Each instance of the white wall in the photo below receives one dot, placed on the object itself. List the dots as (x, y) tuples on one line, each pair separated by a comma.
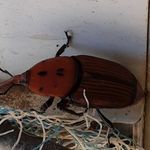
[(112, 29)]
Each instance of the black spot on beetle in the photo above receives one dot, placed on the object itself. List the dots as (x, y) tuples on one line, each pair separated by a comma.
[(42, 73), (60, 72), (41, 89), (60, 69)]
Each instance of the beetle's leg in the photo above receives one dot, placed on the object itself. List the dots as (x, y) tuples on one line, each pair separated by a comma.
[(47, 104), (63, 104), (62, 49), (106, 120), (5, 71), (109, 124)]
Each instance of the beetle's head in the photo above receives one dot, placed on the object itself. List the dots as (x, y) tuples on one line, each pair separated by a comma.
[(20, 79)]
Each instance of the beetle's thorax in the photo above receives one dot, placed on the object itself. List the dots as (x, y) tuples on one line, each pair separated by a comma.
[(53, 77)]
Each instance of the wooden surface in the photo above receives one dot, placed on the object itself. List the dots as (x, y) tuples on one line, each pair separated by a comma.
[(147, 123), (147, 107), (147, 102)]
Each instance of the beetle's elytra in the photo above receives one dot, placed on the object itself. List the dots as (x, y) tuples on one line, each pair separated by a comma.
[(107, 84)]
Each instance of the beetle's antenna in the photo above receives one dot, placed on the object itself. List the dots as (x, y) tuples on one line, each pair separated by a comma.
[(62, 49), (47, 104), (69, 37), (5, 71)]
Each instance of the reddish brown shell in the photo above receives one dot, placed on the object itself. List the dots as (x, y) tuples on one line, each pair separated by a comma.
[(53, 77), (107, 84)]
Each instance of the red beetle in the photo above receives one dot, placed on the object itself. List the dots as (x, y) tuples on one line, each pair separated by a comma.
[(107, 84)]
